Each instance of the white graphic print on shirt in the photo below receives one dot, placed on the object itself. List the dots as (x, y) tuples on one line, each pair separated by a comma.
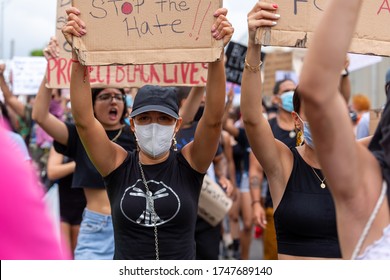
[(136, 206)]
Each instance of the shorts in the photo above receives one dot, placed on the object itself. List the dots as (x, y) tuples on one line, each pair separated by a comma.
[(243, 182), (96, 237)]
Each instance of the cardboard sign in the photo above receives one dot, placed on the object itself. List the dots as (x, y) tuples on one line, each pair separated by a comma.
[(276, 61), (27, 73), (234, 66), (299, 19), (194, 74), (213, 204), (188, 74), (147, 32)]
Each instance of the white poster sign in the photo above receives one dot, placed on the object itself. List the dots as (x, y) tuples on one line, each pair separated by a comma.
[(27, 74)]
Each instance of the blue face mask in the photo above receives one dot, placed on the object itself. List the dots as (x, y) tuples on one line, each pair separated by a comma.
[(287, 101), (129, 100), (307, 135)]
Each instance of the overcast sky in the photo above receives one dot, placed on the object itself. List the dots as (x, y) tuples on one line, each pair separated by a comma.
[(31, 23)]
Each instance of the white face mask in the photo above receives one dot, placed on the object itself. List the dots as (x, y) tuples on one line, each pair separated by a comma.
[(154, 139)]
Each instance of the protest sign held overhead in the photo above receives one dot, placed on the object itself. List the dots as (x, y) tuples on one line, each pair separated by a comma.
[(299, 19), (27, 73), (58, 75), (147, 32), (234, 65)]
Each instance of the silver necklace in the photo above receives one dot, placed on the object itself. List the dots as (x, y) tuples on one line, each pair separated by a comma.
[(323, 186), (151, 205)]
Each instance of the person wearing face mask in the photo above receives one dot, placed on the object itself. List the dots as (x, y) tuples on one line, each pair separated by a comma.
[(96, 236), (153, 191), (304, 213), (358, 177)]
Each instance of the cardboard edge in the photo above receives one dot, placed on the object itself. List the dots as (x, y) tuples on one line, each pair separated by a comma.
[(300, 39), (149, 57)]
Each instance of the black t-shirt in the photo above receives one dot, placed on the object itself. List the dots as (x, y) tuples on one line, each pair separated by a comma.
[(175, 189), (85, 174), (305, 220)]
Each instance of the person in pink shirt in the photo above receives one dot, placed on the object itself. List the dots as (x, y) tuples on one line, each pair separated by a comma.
[(27, 231)]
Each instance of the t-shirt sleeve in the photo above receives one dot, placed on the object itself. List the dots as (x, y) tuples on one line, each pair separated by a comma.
[(68, 150)]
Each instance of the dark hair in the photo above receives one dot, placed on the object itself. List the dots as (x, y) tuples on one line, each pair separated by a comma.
[(296, 101), (278, 83), (96, 91), (182, 93)]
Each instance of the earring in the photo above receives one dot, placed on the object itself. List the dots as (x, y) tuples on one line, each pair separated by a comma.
[(299, 137), (136, 142), (174, 143)]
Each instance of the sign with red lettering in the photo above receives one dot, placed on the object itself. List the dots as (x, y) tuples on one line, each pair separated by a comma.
[(194, 74), (147, 32), (58, 72), (299, 19)]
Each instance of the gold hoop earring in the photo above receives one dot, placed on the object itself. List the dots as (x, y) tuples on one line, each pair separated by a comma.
[(299, 138)]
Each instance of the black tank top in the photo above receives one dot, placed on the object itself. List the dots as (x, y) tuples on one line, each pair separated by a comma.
[(305, 219)]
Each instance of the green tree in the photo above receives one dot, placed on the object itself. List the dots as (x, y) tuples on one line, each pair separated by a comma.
[(37, 52)]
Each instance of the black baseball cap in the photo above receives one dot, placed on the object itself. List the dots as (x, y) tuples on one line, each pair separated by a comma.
[(156, 98)]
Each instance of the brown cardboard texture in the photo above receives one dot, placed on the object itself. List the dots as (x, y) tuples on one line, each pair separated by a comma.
[(58, 72), (213, 203), (299, 19), (273, 62), (147, 32)]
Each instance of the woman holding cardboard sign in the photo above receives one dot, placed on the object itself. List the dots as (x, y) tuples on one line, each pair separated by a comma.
[(357, 178), (96, 238), (304, 213), (153, 192)]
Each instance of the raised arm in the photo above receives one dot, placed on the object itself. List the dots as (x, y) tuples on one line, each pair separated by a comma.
[(104, 154), (353, 174), (11, 100), (201, 151), (270, 152), (324, 105), (40, 113), (190, 107), (227, 121)]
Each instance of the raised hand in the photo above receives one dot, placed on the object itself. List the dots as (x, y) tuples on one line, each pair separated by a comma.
[(262, 14), (52, 50), (222, 28), (74, 27)]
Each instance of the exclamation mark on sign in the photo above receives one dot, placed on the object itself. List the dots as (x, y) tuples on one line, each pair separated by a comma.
[(195, 18), (201, 24)]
